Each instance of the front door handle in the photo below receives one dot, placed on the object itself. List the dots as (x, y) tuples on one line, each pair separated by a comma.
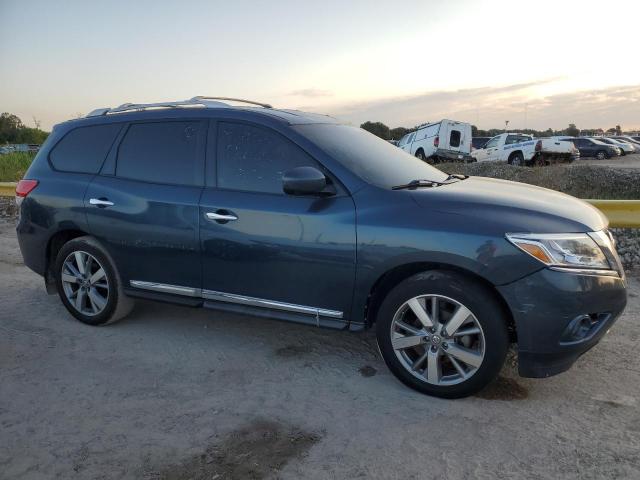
[(100, 202), (221, 216)]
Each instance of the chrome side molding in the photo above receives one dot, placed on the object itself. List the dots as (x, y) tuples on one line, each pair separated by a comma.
[(165, 288), (234, 298), (260, 302)]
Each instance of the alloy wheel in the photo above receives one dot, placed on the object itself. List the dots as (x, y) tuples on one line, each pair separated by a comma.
[(85, 283), (437, 339)]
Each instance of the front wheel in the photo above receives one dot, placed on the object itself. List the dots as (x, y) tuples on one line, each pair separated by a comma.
[(442, 334)]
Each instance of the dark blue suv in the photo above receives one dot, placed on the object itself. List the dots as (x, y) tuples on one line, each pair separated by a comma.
[(290, 215)]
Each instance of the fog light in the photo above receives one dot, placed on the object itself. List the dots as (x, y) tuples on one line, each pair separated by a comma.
[(583, 327)]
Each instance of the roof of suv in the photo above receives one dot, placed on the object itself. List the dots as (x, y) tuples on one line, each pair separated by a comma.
[(177, 109)]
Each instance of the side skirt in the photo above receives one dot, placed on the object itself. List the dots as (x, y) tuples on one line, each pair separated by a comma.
[(239, 304)]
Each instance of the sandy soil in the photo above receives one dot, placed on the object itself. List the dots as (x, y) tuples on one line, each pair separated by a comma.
[(179, 393)]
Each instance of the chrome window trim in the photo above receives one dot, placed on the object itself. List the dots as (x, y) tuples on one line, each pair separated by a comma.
[(235, 298)]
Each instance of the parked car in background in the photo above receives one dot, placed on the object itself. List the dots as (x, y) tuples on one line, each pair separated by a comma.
[(630, 140), (590, 147), (7, 149), (623, 146), (444, 141), (636, 138), (479, 142), (520, 149), (293, 216)]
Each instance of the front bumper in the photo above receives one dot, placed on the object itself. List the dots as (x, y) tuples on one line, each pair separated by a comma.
[(559, 316)]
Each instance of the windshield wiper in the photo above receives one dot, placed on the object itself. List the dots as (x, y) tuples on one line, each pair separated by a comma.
[(413, 184), (458, 176)]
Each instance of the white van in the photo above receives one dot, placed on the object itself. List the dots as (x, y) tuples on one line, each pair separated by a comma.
[(444, 141)]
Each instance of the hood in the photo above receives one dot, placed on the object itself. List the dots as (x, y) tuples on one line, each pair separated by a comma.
[(512, 207)]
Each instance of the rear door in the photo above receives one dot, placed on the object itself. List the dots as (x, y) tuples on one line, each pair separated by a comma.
[(282, 252), (144, 205)]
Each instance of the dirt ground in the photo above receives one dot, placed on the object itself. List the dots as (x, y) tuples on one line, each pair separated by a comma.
[(179, 393)]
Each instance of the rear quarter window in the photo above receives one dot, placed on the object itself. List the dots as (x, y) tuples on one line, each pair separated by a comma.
[(83, 149)]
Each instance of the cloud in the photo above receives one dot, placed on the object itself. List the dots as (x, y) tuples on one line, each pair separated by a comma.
[(489, 107), (311, 93)]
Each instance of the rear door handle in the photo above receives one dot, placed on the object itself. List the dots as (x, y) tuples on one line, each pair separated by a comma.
[(222, 216), (100, 202)]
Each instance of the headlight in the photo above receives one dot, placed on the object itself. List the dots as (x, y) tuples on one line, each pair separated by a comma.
[(571, 250)]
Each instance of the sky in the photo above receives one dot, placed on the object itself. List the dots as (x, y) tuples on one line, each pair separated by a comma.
[(537, 64)]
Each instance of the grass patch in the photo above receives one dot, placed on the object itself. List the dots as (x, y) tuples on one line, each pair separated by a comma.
[(582, 181), (14, 165)]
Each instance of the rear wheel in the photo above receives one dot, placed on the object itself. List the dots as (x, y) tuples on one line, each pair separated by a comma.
[(88, 284), (420, 154), (442, 334), (601, 155), (516, 159)]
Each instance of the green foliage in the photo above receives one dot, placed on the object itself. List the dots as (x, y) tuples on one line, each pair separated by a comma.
[(14, 165), (377, 128), (12, 130), (572, 131), (399, 132)]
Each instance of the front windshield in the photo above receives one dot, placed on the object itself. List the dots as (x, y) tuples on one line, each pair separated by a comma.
[(369, 157)]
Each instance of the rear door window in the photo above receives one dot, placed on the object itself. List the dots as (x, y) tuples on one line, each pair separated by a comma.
[(454, 138), (84, 149), (254, 159), (162, 152)]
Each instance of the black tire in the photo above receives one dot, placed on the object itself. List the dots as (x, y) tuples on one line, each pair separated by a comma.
[(482, 304), (420, 155), (117, 306), (601, 154), (517, 159)]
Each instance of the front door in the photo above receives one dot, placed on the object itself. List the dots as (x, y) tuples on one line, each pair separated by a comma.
[(263, 248), (490, 151), (143, 207)]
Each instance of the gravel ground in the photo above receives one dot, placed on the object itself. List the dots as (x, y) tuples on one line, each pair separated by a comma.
[(179, 393), (630, 161)]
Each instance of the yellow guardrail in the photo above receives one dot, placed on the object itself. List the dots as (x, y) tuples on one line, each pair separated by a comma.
[(621, 213), (7, 189)]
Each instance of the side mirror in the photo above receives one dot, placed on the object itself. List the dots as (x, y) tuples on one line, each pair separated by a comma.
[(303, 181)]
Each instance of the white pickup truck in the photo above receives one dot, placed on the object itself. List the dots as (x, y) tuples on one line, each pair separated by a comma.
[(521, 149)]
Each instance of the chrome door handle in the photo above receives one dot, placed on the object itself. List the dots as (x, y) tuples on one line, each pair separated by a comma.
[(100, 202), (221, 217)]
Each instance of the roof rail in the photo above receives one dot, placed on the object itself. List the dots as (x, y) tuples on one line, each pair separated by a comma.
[(199, 101), (251, 102)]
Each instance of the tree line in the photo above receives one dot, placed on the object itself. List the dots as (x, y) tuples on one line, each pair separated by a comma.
[(12, 130), (386, 133)]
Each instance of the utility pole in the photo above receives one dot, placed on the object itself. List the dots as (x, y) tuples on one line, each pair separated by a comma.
[(506, 126)]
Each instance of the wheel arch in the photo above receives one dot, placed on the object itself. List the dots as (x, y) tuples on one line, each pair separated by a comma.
[(388, 280), (514, 153), (55, 243)]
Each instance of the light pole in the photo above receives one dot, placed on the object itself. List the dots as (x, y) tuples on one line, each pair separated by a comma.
[(506, 126)]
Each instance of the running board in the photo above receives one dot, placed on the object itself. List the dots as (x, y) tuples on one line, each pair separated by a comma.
[(236, 299)]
